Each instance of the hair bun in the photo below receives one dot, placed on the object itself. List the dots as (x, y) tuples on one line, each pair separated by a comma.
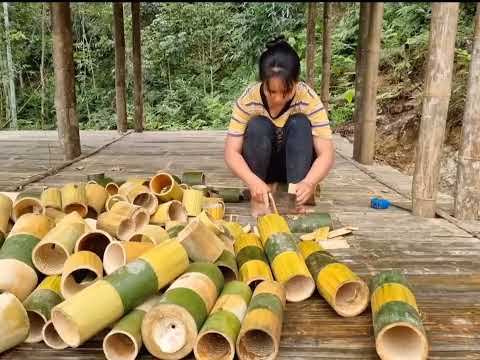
[(278, 40)]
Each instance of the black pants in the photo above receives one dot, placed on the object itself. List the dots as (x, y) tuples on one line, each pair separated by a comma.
[(279, 154)]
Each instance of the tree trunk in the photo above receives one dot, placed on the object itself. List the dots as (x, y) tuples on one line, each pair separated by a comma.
[(360, 75), (11, 73), (211, 66), (42, 68), (467, 195), (137, 67), (436, 96), (311, 42), (65, 99), (326, 53), (368, 105), (120, 90)]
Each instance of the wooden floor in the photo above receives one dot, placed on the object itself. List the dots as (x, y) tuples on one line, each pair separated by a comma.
[(441, 260)]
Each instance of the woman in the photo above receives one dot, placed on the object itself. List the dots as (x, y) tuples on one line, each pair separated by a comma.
[(279, 131)]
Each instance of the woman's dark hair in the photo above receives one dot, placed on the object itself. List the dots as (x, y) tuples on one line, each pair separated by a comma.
[(281, 60)]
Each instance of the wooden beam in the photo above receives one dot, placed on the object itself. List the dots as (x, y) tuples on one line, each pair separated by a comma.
[(120, 90), (436, 96), (311, 43), (65, 98), (137, 67), (326, 53), (467, 194)]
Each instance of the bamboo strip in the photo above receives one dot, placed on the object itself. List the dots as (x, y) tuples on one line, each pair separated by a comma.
[(200, 242), (14, 324), (116, 225), (52, 198), (192, 201), (118, 254), (153, 234), (96, 198), (135, 212), (165, 187), (26, 203), (74, 198), (169, 211), (113, 199), (81, 269), (139, 195), (95, 241), (192, 178)]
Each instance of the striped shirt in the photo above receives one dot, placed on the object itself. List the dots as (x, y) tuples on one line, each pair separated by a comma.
[(305, 101)]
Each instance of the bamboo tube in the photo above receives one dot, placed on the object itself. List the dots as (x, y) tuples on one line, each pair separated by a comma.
[(14, 324), (174, 229), (346, 293), (39, 305), (252, 262), (165, 187), (192, 178), (76, 320), (6, 205), (51, 338), (111, 188), (96, 198), (259, 336), (200, 242), (95, 241), (287, 263), (113, 199), (169, 211), (309, 223), (207, 220), (230, 195), (234, 228), (218, 335), (170, 328), (26, 203), (118, 254), (116, 225), (175, 177), (184, 186), (228, 266), (74, 198), (192, 201), (52, 198), (215, 210), (36, 225), (81, 269), (54, 214), (139, 195), (152, 234), (202, 188), (137, 213)]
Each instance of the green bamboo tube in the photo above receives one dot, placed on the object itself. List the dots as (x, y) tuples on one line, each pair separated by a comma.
[(218, 335), (259, 336), (120, 253), (192, 178), (200, 242), (26, 203), (81, 269), (6, 205), (113, 199), (193, 202), (169, 211), (14, 324), (52, 198), (397, 323), (230, 195), (96, 198), (74, 198), (39, 305), (165, 187), (76, 320), (116, 225), (228, 265), (170, 328), (138, 214), (95, 241), (346, 293), (153, 234), (51, 338), (139, 195), (174, 230), (309, 223)]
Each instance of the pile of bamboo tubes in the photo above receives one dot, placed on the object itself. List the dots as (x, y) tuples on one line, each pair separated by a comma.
[(164, 269)]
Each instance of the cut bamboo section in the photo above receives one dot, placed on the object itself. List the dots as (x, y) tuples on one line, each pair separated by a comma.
[(346, 293), (52, 198), (229, 195), (14, 324), (252, 262), (116, 225), (271, 224), (111, 188), (309, 223), (51, 338), (216, 211), (152, 234), (96, 198), (74, 198), (139, 195), (208, 220), (26, 203), (228, 265), (397, 323), (170, 328), (218, 335), (193, 202), (118, 254), (95, 241), (234, 228), (170, 211), (6, 205), (259, 336), (76, 320), (192, 178), (200, 242), (81, 269), (165, 187), (113, 199), (135, 212), (36, 225), (39, 305)]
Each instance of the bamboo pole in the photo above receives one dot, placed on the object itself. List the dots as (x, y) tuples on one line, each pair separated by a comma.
[(311, 43), (120, 69), (436, 97), (14, 324), (326, 54), (81, 270), (137, 66)]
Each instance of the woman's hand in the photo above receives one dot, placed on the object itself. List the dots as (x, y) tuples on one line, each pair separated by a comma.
[(259, 191), (304, 191)]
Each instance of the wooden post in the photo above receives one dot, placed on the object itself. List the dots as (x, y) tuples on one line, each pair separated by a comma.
[(137, 67), (326, 54), (311, 43), (120, 91), (360, 74), (436, 96), (65, 99), (467, 195)]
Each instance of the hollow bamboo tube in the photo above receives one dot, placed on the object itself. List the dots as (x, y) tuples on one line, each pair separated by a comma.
[(76, 320), (397, 323), (111, 188), (116, 225), (118, 254), (309, 223), (51, 338), (6, 205), (96, 198), (74, 198), (170, 328), (139, 195), (95, 241), (135, 212), (228, 265), (81, 269), (218, 336), (169, 211), (192, 201), (230, 195), (39, 305), (192, 178), (259, 336), (207, 219), (215, 210), (346, 293), (200, 242), (14, 324), (52, 198), (26, 203), (165, 187), (152, 234), (113, 199)]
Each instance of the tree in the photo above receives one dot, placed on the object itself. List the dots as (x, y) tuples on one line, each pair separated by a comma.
[(120, 90), (326, 53), (11, 73), (311, 43), (137, 67)]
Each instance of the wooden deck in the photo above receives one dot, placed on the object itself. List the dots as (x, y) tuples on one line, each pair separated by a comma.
[(441, 260)]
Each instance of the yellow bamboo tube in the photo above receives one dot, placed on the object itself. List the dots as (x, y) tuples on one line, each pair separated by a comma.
[(184, 186), (139, 181), (32, 224), (6, 205), (81, 269), (113, 199), (207, 219), (14, 324), (139, 195), (169, 211), (52, 198), (234, 228), (118, 254), (135, 212), (74, 198), (26, 203), (54, 214), (51, 338), (200, 242), (192, 201), (165, 187), (96, 198), (153, 234), (95, 241), (111, 188), (116, 225), (216, 211)]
